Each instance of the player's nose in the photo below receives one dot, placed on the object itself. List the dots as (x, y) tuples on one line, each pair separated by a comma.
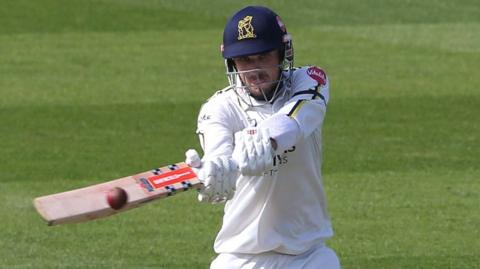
[(255, 77)]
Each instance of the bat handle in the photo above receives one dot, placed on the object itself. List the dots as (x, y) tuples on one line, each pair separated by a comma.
[(193, 159)]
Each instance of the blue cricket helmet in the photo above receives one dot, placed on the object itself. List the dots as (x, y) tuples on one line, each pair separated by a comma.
[(255, 30)]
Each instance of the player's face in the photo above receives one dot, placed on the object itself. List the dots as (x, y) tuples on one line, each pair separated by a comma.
[(259, 73)]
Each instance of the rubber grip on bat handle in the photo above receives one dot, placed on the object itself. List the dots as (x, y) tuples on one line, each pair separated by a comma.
[(193, 159)]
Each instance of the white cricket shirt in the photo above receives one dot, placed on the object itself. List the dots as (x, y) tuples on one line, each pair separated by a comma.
[(285, 209)]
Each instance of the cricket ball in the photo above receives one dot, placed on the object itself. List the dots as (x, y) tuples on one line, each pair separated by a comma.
[(117, 198)]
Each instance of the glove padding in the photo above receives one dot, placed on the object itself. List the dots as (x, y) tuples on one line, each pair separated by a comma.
[(253, 151), (218, 175)]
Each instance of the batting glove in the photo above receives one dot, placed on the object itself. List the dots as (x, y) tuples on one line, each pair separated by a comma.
[(218, 175), (253, 151)]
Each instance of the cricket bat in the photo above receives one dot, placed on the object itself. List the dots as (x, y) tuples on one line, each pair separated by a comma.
[(90, 203)]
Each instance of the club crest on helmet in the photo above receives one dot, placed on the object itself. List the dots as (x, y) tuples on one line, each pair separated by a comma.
[(245, 28)]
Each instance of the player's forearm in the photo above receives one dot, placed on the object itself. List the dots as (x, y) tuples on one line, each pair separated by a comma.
[(216, 142), (287, 128), (284, 131), (309, 115)]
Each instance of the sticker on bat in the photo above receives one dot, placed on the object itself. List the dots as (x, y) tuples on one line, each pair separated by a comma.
[(145, 184), (172, 177)]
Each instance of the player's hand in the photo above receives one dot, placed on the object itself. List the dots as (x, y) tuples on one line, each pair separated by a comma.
[(218, 175), (253, 151)]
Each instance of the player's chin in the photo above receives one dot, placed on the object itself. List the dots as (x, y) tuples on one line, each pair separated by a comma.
[(259, 93)]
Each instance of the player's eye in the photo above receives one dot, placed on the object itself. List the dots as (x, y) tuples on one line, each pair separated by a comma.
[(243, 59)]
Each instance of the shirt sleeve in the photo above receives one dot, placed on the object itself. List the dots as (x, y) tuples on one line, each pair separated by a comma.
[(306, 108), (216, 137)]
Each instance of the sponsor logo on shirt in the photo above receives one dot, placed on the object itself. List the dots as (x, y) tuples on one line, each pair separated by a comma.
[(279, 160), (317, 74), (203, 118)]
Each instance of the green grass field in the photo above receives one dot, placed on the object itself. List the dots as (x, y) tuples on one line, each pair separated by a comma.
[(92, 90)]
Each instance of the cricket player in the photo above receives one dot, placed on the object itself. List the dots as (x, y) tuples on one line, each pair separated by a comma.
[(262, 143)]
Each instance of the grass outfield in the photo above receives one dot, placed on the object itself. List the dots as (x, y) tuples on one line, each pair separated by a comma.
[(92, 90)]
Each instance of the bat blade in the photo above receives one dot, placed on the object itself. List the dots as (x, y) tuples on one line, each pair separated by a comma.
[(90, 202)]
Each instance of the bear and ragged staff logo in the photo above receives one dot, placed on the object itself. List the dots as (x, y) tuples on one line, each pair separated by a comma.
[(245, 28)]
